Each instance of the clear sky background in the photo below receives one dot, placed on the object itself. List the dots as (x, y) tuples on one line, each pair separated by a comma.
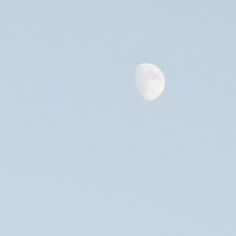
[(81, 153)]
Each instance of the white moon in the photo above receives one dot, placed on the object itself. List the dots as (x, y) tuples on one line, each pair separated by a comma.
[(150, 81)]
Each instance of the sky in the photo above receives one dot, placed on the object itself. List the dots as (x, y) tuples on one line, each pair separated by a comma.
[(82, 153)]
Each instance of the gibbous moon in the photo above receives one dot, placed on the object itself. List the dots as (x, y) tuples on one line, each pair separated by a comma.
[(150, 81)]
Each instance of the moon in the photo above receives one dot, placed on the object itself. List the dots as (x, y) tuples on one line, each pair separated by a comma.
[(150, 81)]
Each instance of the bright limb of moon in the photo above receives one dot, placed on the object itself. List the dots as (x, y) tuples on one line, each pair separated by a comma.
[(150, 81)]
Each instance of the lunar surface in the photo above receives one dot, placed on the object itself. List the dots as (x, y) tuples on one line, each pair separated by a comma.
[(150, 81)]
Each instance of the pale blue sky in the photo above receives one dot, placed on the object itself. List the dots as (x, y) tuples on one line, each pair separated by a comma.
[(81, 153)]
